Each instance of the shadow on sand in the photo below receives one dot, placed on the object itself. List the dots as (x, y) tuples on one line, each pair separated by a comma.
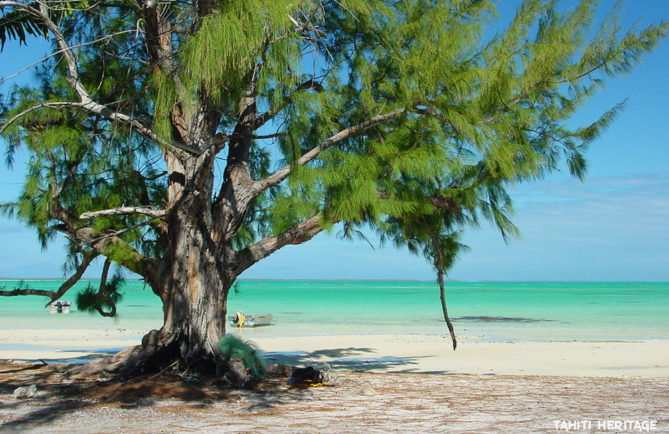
[(60, 395), (350, 359)]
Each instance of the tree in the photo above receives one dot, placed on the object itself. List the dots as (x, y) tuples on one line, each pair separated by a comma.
[(186, 141)]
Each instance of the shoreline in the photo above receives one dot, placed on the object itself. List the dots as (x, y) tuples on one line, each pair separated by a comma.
[(378, 383), (379, 353)]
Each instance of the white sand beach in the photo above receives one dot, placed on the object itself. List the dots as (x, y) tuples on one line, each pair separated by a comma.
[(381, 383), (382, 353)]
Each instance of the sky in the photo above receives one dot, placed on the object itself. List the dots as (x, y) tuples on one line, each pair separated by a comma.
[(612, 227)]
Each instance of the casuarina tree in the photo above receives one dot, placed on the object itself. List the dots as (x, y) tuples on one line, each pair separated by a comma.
[(187, 140)]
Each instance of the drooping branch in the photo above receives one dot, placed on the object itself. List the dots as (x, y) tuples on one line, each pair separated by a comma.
[(298, 234), (87, 259), (283, 173), (102, 242), (440, 278), (102, 296), (64, 287)]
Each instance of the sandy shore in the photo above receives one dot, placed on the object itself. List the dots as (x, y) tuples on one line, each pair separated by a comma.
[(382, 353), (382, 383), (355, 402)]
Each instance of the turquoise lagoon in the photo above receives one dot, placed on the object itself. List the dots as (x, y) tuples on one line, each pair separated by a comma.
[(483, 311)]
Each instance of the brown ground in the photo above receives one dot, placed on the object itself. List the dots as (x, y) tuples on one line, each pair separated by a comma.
[(369, 402)]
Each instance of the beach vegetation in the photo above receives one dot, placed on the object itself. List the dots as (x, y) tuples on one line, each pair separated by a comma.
[(234, 349), (187, 141)]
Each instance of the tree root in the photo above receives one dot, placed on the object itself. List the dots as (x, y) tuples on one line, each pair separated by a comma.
[(27, 368), (149, 357), (155, 356)]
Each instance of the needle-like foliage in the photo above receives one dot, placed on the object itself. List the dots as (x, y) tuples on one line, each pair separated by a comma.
[(186, 141)]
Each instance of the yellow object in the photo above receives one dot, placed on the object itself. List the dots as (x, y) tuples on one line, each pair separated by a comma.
[(309, 383), (240, 319)]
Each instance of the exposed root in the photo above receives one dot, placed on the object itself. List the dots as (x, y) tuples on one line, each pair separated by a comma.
[(27, 368), (156, 356), (151, 356), (109, 365)]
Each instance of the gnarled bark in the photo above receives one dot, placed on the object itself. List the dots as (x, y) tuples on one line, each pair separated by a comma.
[(193, 285)]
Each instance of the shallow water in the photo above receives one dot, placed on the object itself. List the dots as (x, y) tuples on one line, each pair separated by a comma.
[(485, 311)]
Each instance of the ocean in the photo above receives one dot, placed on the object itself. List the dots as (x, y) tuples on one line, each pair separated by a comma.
[(481, 311)]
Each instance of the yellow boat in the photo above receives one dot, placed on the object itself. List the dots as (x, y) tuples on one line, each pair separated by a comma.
[(242, 320)]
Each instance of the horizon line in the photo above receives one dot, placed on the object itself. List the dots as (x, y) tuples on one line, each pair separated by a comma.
[(88, 279)]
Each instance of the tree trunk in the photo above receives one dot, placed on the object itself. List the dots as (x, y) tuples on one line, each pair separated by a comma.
[(194, 311), (193, 284), (444, 310), (194, 288)]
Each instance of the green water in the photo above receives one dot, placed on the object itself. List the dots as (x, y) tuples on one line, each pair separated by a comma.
[(509, 311)]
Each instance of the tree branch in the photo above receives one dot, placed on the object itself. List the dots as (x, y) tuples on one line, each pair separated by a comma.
[(55, 53), (431, 111), (270, 114), (55, 295), (57, 190), (283, 173), (27, 291), (87, 103), (101, 242), (437, 201), (37, 107), (125, 210), (102, 296), (236, 191), (506, 109), (298, 234)]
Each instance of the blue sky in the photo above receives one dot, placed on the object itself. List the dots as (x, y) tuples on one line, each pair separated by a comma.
[(614, 226)]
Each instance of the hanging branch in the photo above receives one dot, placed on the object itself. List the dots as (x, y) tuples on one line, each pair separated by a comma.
[(440, 278), (102, 296)]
